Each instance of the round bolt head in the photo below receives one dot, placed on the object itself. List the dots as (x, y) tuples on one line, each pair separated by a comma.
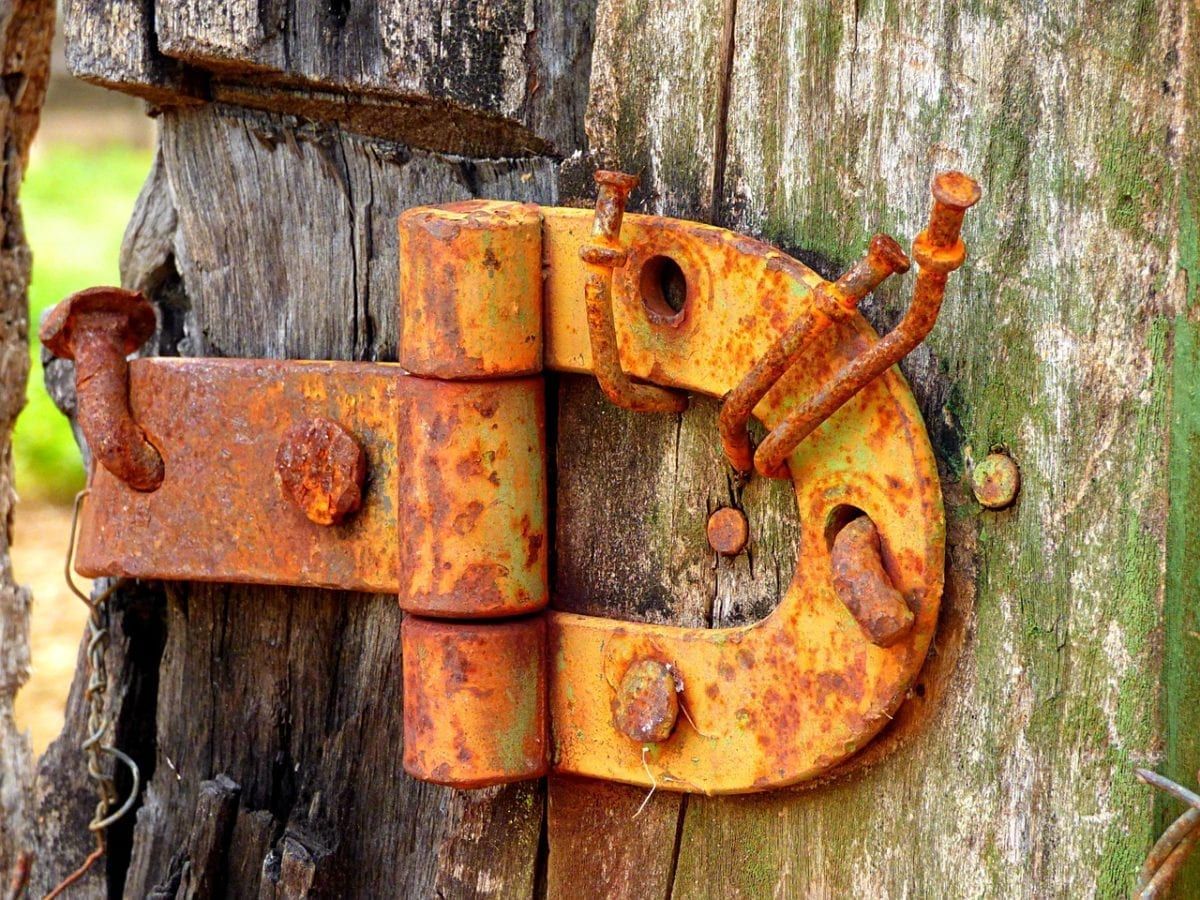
[(728, 531), (322, 468), (647, 703), (996, 480), (956, 190), (57, 332)]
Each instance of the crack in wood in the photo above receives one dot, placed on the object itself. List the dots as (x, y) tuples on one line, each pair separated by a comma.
[(721, 130)]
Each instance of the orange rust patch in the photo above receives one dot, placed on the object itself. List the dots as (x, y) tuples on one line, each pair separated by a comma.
[(474, 701)]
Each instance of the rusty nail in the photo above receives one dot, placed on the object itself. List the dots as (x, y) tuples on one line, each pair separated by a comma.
[(885, 257), (646, 705), (322, 468), (1163, 783), (612, 193), (98, 328), (831, 302), (863, 584), (728, 531), (938, 251), (996, 480), (953, 194), (602, 256)]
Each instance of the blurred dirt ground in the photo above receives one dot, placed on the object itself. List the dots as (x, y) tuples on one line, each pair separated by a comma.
[(40, 532), (90, 156)]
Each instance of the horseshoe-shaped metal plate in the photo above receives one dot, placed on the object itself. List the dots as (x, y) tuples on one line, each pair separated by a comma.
[(784, 699)]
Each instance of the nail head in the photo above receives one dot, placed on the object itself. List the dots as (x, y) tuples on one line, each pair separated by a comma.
[(322, 468), (996, 479), (57, 331), (647, 703), (728, 531), (956, 190)]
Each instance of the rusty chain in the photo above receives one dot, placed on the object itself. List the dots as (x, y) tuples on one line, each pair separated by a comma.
[(93, 746)]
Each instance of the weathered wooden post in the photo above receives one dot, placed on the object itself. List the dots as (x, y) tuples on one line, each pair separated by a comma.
[(267, 720)]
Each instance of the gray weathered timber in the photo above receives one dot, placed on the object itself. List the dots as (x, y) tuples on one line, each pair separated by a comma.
[(499, 78), (1057, 342), (25, 30), (653, 61), (293, 696), (296, 694)]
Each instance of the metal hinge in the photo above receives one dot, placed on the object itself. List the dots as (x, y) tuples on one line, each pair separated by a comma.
[(428, 479)]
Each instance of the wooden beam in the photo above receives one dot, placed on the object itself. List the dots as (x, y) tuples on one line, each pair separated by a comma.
[(1056, 343), (501, 79)]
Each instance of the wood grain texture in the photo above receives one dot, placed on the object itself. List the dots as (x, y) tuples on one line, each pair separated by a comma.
[(298, 191), (26, 27), (610, 839), (635, 547), (1057, 342), (500, 78), (655, 61), (295, 695), (113, 44)]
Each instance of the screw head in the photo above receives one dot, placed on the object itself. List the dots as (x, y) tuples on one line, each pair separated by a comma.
[(647, 703), (57, 332), (322, 468), (996, 481), (728, 531)]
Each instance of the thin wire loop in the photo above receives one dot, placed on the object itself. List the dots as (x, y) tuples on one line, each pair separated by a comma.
[(135, 773), (93, 745)]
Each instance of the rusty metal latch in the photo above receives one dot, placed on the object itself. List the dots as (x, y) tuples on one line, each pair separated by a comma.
[(428, 479)]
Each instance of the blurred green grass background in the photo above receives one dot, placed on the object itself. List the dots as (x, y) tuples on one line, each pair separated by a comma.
[(76, 201)]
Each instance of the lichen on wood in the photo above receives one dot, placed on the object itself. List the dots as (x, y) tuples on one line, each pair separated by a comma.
[(1056, 342)]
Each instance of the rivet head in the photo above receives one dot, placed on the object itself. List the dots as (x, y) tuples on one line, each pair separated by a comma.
[(322, 468), (728, 531), (647, 703), (996, 481)]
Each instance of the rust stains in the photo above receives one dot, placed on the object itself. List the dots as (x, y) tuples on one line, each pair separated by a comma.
[(996, 479), (474, 701), (602, 255), (830, 303), (938, 250), (472, 495), (453, 514), (470, 290), (646, 704), (728, 531)]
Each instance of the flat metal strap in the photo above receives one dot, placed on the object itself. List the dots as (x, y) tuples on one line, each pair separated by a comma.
[(220, 514)]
